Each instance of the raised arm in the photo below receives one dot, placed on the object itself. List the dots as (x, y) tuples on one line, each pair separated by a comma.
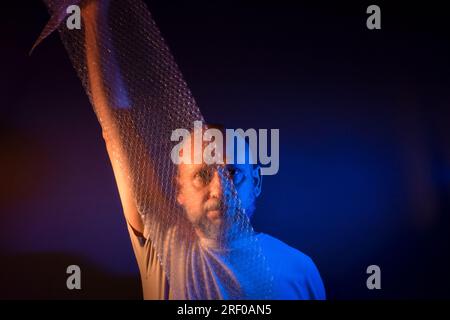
[(104, 111)]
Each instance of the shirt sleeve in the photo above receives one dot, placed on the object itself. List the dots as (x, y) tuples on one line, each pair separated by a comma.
[(153, 278), (312, 282)]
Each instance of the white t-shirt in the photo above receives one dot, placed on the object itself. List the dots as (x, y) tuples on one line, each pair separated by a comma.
[(295, 274)]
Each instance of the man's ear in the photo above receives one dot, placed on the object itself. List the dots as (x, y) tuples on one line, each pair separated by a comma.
[(257, 180), (180, 196)]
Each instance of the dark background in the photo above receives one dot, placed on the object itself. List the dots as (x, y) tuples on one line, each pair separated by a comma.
[(364, 119)]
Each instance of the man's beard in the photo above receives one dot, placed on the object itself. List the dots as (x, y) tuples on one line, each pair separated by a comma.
[(226, 224), (209, 229), (212, 227)]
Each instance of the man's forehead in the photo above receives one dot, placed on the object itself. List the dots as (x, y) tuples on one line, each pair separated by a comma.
[(237, 151), (191, 169), (187, 168)]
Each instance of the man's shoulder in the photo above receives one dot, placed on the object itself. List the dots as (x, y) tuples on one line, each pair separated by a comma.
[(284, 253), (295, 272)]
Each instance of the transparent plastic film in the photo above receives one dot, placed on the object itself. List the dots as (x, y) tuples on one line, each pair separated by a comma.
[(140, 97)]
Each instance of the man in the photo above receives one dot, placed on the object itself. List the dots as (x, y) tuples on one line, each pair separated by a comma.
[(202, 192), (202, 246), (200, 266)]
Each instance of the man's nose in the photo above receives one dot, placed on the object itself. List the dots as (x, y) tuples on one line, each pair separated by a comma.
[(216, 187)]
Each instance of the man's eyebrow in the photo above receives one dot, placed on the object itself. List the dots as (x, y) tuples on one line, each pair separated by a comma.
[(200, 168)]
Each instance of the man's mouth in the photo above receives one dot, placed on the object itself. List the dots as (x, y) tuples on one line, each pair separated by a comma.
[(214, 214)]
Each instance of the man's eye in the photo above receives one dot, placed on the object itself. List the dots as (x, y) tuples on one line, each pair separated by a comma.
[(238, 177), (235, 174), (203, 176)]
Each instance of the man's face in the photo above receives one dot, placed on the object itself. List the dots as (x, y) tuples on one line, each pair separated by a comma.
[(203, 191)]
